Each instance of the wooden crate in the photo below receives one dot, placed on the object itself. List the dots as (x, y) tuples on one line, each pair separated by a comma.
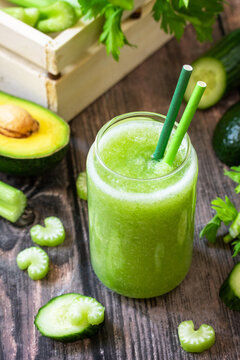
[(68, 71)]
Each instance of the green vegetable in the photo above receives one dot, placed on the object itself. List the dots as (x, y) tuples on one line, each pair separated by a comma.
[(52, 234), (219, 68), (210, 230), (70, 317), (35, 260), (230, 289), (195, 341), (124, 4), (29, 16), (226, 137), (43, 3), (38, 152), (56, 17), (235, 176), (174, 16), (82, 185), (12, 202), (225, 213)]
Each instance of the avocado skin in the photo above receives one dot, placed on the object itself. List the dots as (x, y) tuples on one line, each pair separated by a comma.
[(226, 137), (29, 167)]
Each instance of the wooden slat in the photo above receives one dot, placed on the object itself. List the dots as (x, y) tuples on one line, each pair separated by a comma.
[(22, 39), (21, 78)]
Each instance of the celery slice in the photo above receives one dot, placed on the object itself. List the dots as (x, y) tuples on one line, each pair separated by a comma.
[(82, 185), (195, 340), (35, 260), (52, 234)]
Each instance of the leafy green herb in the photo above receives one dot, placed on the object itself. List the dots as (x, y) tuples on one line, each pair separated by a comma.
[(236, 247), (112, 35), (172, 14), (226, 213), (235, 176), (210, 230)]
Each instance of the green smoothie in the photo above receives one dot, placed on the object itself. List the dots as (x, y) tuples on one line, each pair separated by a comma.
[(141, 211)]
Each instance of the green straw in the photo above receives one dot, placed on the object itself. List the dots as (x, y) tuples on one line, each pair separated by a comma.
[(172, 112), (185, 122)]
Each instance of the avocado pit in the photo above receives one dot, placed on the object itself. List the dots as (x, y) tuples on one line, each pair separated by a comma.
[(16, 122)]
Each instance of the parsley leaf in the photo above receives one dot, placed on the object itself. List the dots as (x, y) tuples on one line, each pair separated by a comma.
[(210, 230), (226, 211), (170, 21), (235, 176), (92, 8), (236, 247), (174, 15), (112, 35)]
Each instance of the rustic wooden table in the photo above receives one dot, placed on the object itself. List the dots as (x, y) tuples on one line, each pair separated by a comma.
[(134, 329)]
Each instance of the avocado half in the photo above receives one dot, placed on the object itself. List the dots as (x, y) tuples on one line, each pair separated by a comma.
[(38, 152)]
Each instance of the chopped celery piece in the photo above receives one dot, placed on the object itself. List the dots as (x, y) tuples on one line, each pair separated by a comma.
[(70, 317), (56, 17), (28, 16), (12, 202), (234, 229), (52, 234), (35, 260), (195, 340), (82, 185)]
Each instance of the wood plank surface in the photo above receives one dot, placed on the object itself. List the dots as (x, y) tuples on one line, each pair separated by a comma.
[(134, 329)]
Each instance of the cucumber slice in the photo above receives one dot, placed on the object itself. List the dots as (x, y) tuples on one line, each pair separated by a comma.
[(212, 72), (52, 234), (35, 260), (230, 289), (82, 185), (70, 317), (195, 340)]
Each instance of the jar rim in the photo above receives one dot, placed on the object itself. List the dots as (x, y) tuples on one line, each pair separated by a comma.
[(118, 119)]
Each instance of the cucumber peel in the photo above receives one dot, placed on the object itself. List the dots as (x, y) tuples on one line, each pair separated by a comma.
[(81, 185), (52, 234), (35, 260), (195, 340), (230, 289), (70, 317)]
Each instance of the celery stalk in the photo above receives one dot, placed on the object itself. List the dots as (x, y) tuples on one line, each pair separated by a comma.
[(234, 229), (32, 3), (12, 202)]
